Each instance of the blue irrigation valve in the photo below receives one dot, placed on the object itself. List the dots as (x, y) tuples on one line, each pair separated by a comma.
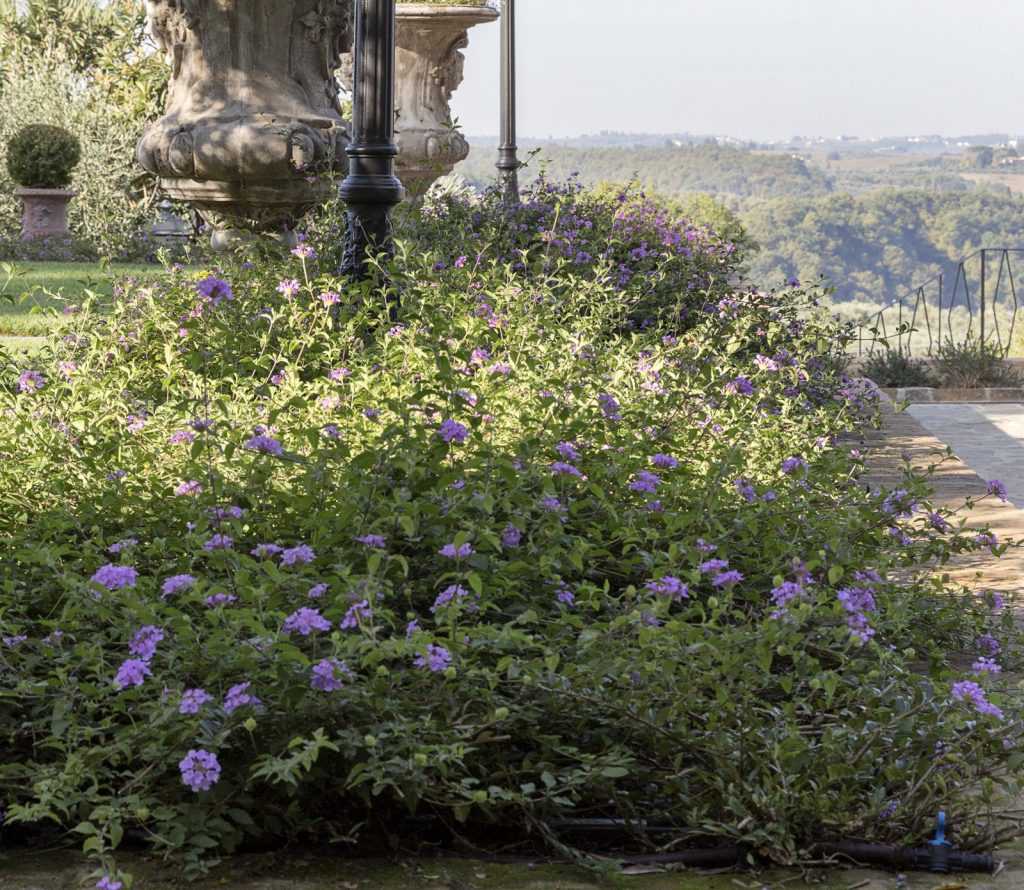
[(940, 847)]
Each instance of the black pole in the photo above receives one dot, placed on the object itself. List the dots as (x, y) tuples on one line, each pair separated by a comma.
[(371, 188), (508, 160)]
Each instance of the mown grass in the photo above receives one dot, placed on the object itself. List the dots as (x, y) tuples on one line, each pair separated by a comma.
[(27, 289)]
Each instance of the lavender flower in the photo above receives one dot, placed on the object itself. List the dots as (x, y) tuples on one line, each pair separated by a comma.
[(239, 696), (132, 672), (337, 374), (30, 381), (436, 658), (265, 445), (567, 451), (564, 595), (218, 542), (316, 591), (329, 675), (375, 541), (669, 586), (453, 552), (645, 482), (989, 645), (356, 612), (262, 551), (221, 599), (118, 546), (997, 488), (303, 553), (453, 431), (727, 578), (791, 463), (664, 461), (190, 487), (192, 700), (609, 406), (740, 386), (213, 290), (304, 621), (511, 536), (288, 288), (115, 577), (108, 883), (144, 642), (561, 468), (182, 437), (200, 770), (986, 666), (448, 595), (968, 690)]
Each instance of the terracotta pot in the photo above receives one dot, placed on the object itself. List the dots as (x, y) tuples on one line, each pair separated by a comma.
[(46, 212)]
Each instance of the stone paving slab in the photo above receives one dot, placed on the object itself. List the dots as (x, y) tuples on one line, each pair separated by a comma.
[(985, 447)]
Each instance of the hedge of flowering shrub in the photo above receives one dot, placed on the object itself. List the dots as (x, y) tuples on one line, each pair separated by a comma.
[(275, 566)]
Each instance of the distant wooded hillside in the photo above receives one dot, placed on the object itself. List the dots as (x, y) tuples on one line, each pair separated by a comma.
[(873, 226)]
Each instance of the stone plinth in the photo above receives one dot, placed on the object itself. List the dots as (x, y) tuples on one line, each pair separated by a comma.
[(429, 68), (46, 212), (252, 136)]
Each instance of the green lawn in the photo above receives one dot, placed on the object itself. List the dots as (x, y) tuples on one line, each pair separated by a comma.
[(34, 286)]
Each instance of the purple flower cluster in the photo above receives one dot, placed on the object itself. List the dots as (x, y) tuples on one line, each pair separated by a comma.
[(330, 675), (453, 552), (997, 488), (30, 381), (239, 696), (200, 769), (359, 611), (145, 641), (114, 577), (453, 431), (561, 468), (265, 445), (670, 587), (133, 672), (301, 553), (436, 658), (857, 603), (376, 541), (968, 690), (645, 482), (192, 700), (304, 621), (213, 290)]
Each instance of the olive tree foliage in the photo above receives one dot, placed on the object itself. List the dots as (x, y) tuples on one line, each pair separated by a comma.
[(87, 68)]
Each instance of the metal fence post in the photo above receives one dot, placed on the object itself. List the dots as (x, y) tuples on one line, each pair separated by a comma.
[(982, 321)]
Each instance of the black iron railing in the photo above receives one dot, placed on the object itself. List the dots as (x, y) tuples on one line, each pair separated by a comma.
[(978, 302)]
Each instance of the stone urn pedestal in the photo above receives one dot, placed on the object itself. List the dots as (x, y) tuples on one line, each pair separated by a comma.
[(252, 136), (46, 212), (429, 39)]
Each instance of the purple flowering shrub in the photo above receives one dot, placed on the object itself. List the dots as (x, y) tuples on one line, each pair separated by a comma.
[(276, 566), (641, 257)]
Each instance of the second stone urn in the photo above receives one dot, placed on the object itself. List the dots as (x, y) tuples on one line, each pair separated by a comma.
[(253, 136), (428, 60)]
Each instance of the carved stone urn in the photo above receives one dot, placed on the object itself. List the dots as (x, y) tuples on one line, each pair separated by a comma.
[(252, 136), (428, 59)]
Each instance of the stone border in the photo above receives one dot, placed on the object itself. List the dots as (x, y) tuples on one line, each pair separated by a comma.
[(916, 395)]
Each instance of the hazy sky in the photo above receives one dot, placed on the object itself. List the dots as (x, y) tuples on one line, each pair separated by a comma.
[(762, 69)]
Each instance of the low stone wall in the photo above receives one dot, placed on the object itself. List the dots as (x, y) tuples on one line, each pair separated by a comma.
[(916, 395)]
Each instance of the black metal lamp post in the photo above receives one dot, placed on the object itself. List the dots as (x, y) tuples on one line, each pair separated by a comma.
[(508, 160), (371, 190)]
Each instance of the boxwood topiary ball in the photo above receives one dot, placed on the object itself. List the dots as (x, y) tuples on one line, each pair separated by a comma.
[(42, 156)]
